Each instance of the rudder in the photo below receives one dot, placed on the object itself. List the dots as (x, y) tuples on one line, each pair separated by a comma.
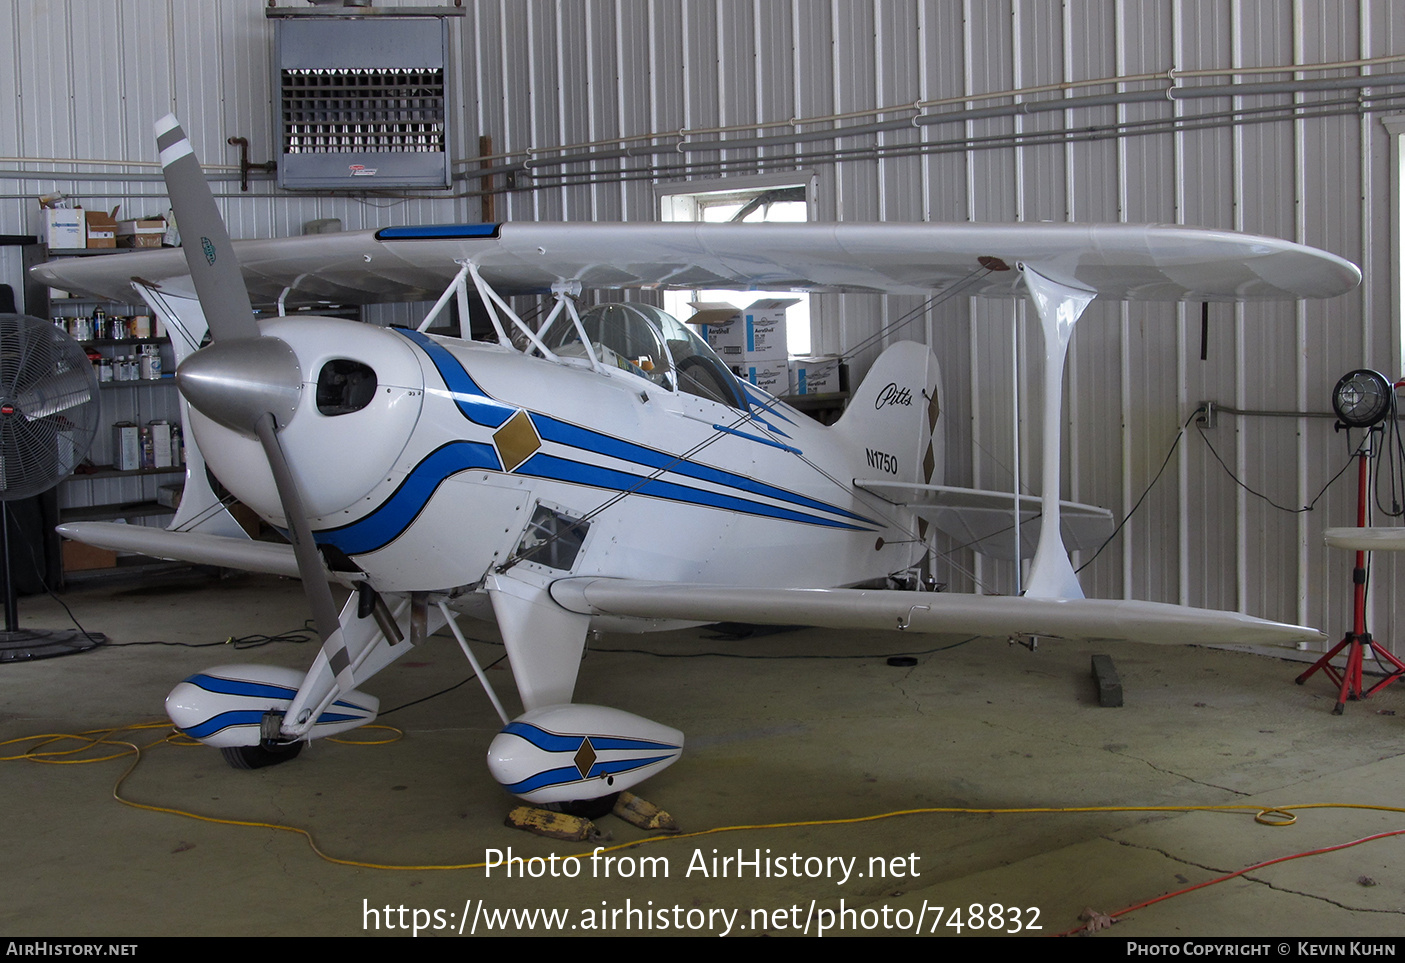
[(893, 419)]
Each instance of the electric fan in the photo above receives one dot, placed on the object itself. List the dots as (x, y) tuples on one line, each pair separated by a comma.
[(48, 416)]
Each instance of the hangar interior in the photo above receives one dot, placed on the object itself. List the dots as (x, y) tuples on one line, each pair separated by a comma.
[(1279, 119)]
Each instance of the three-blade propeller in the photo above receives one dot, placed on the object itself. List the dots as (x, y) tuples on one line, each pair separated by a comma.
[(245, 380)]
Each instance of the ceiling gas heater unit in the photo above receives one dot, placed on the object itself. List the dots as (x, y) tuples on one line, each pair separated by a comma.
[(364, 97)]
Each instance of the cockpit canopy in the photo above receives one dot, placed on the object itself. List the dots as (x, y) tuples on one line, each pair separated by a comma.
[(652, 344)]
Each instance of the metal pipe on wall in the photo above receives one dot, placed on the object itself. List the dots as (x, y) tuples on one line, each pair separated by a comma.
[(536, 166)]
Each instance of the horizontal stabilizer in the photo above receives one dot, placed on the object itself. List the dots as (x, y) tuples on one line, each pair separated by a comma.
[(985, 520), (219, 550), (943, 612), (1366, 539)]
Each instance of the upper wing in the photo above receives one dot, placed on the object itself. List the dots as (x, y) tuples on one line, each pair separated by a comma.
[(1118, 261), (923, 612)]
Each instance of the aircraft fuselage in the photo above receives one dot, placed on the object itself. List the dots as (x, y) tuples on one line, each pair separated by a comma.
[(472, 458)]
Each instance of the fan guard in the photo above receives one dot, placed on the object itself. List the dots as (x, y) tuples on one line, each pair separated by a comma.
[(48, 406), (49, 413)]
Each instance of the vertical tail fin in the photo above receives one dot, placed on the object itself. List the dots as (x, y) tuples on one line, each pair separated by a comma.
[(892, 422)]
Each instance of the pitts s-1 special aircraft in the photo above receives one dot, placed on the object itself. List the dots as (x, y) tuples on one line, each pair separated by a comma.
[(604, 470)]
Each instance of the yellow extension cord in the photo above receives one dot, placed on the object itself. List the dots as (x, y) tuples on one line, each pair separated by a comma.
[(93, 738)]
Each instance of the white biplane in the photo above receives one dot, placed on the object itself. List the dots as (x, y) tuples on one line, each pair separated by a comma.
[(604, 470)]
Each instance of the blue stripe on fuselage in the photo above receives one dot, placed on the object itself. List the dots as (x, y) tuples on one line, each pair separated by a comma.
[(561, 469), (550, 429), (395, 514), (473, 402), (476, 405), (388, 521)]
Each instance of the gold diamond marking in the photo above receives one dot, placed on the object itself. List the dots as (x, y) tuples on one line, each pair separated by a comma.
[(585, 758), (516, 440)]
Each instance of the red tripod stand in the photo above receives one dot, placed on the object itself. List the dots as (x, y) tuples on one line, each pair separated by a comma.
[(1349, 678)]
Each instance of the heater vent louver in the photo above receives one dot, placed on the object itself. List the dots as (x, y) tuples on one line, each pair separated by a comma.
[(358, 109), (363, 102)]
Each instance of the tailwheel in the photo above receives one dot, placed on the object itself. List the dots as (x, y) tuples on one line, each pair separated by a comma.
[(264, 754)]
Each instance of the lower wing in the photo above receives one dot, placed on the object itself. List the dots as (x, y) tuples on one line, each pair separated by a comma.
[(923, 612), (198, 549)]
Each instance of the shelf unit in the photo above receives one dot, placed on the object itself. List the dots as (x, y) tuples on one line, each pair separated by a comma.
[(824, 408), (108, 493)]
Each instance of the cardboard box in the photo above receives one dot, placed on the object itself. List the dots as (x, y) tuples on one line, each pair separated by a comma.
[(63, 228), (142, 233), (247, 518), (78, 557), (771, 378), (102, 229), (169, 496), (814, 376), (753, 336)]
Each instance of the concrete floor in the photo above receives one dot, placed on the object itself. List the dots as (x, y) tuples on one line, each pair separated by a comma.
[(770, 740)]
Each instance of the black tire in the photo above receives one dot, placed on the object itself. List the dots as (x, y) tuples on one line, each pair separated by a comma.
[(257, 757), (589, 808)]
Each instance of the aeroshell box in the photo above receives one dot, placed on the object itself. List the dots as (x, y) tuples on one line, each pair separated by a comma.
[(754, 336), (767, 376), (814, 376)]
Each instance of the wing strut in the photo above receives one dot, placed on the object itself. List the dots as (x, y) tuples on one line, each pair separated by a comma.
[(473, 661), (1059, 306), (563, 291)]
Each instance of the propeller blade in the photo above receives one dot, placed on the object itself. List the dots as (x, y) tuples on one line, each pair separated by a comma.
[(245, 380), (208, 253), (310, 568)]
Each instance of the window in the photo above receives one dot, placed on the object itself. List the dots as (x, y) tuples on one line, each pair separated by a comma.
[(632, 337), (750, 200)]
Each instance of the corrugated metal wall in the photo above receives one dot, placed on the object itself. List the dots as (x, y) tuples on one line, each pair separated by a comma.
[(87, 77)]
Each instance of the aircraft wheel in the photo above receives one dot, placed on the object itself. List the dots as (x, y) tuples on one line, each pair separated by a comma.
[(257, 757), (589, 808)]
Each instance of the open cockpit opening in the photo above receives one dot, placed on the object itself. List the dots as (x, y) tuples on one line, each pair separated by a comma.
[(650, 343)]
